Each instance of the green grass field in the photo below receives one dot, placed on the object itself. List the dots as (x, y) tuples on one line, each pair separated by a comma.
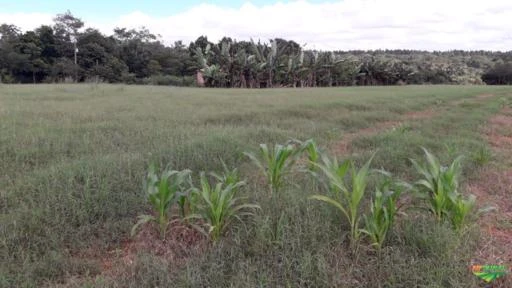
[(73, 159)]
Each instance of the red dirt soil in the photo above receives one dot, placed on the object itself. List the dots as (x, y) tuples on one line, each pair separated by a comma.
[(423, 114), (484, 96), (499, 134), (180, 244), (493, 188), (343, 147)]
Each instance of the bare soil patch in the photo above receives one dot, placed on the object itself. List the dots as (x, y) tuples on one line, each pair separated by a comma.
[(478, 98), (501, 120), (493, 188), (484, 96), (180, 244), (343, 147), (423, 114), (499, 133)]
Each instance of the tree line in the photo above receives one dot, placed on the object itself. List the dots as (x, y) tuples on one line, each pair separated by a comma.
[(68, 52)]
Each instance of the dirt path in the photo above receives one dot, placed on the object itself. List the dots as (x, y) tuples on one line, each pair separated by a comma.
[(344, 146), (493, 188)]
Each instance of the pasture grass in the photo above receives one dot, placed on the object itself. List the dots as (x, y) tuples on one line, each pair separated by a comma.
[(73, 159)]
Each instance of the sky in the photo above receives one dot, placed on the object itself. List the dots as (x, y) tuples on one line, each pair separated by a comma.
[(323, 25)]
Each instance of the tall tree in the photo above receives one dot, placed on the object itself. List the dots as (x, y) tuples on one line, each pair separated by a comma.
[(67, 29)]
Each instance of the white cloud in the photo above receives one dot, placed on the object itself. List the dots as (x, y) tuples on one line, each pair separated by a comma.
[(26, 21), (348, 24)]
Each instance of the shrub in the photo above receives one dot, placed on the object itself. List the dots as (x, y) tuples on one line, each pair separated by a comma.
[(6, 79), (169, 80), (128, 78)]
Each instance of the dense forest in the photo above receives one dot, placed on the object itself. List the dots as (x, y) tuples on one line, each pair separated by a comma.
[(69, 52)]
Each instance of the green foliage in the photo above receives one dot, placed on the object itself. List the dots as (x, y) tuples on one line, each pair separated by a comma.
[(460, 208), (163, 191), (499, 74), (383, 208), (482, 156), (72, 161), (311, 149), (451, 148), (504, 102), (441, 186), (170, 80), (402, 128), (219, 206), (313, 152), (228, 176), (275, 163), (346, 197), (45, 55)]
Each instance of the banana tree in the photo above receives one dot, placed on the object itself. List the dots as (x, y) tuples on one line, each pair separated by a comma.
[(213, 73), (346, 70), (202, 57), (258, 62), (311, 60), (327, 62), (296, 72), (267, 59), (226, 60), (245, 68)]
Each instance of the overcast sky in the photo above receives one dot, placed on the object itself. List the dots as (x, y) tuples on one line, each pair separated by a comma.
[(329, 25)]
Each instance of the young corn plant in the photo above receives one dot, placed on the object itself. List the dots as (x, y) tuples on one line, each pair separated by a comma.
[(333, 171), (482, 156), (383, 209), (228, 176), (441, 186), (163, 191), (275, 163), (460, 209), (312, 151), (451, 148), (346, 198), (219, 206)]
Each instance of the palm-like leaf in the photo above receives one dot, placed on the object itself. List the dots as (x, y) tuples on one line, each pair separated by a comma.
[(163, 191), (310, 147), (220, 206), (228, 176), (441, 184), (345, 198), (275, 163), (383, 209)]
